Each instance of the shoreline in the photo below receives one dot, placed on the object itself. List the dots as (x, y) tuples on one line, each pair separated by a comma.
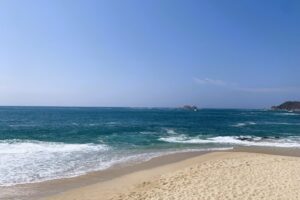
[(47, 188), (115, 176)]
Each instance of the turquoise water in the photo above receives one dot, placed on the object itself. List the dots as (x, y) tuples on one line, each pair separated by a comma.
[(43, 143)]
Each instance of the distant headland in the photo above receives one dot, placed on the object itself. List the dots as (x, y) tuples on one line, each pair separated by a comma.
[(293, 106)]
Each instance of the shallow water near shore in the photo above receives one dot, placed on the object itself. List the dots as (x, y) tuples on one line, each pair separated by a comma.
[(47, 188), (46, 143)]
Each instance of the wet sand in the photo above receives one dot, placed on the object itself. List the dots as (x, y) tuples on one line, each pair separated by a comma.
[(132, 182), (48, 188)]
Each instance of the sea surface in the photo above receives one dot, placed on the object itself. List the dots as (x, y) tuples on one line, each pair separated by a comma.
[(44, 143)]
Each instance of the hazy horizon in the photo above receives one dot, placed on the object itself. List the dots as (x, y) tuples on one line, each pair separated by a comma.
[(142, 107), (213, 54)]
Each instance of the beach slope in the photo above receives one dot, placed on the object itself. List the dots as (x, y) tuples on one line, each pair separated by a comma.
[(219, 175)]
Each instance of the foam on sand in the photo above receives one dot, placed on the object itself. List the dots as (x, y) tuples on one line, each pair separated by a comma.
[(26, 161), (29, 161)]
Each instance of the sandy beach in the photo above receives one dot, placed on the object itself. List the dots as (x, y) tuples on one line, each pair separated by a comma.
[(149, 100), (217, 175)]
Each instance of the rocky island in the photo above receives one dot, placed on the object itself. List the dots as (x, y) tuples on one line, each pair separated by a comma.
[(190, 108), (293, 106)]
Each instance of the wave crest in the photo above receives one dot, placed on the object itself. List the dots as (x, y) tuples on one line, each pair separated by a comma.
[(241, 124), (33, 146), (236, 140)]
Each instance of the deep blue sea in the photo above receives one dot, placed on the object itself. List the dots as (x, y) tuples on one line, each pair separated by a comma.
[(44, 143)]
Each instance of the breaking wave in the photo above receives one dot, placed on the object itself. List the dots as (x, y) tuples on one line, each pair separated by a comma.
[(26, 161), (236, 140)]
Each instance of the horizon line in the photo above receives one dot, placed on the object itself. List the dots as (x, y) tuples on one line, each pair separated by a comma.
[(134, 107)]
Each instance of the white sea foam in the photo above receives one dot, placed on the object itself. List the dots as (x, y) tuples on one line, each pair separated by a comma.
[(29, 146), (170, 131), (287, 114), (236, 140), (27, 161), (282, 123), (22, 125), (183, 139), (241, 124), (31, 161), (112, 123)]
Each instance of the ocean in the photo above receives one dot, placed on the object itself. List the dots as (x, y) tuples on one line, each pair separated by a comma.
[(45, 143)]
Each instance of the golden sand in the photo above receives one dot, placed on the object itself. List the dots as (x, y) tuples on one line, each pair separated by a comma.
[(214, 176)]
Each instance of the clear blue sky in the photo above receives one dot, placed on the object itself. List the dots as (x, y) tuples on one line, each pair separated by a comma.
[(234, 53)]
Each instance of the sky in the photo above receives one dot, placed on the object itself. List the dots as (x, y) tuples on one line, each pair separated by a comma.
[(158, 53)]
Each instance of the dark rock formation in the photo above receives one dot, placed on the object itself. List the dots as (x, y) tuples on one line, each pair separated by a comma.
[(288, 106)]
